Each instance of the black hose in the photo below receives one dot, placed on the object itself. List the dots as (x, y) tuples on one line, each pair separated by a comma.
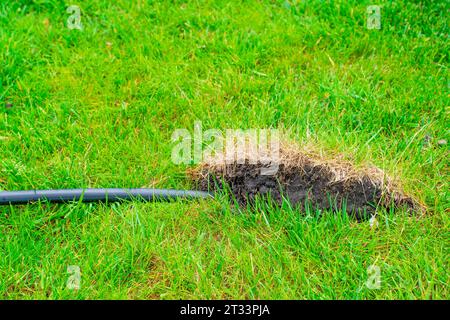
[(92, 195)]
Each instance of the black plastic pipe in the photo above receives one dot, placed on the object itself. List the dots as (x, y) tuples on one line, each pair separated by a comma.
[(93, 195)]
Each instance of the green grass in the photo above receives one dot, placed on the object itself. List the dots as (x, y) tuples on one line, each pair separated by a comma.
[(97, 108)]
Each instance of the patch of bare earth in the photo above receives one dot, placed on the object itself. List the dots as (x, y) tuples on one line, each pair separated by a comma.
[(307, 179)]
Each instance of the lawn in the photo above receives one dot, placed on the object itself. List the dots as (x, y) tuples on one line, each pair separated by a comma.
[(97, 107)]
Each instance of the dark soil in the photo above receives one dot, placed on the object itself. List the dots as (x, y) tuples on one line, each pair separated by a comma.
[(309, 185)]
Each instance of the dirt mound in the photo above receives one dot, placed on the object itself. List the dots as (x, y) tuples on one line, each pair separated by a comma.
[(306, 180)]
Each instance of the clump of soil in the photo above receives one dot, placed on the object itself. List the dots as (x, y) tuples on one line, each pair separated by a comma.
[(306, 180)]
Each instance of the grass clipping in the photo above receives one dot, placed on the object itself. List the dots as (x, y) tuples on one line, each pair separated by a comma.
[(308, 181)]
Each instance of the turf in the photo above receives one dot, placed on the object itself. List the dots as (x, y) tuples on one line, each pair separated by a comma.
[(97, 107)]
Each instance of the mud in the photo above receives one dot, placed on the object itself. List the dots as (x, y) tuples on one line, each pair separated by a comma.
[(305, 186)]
